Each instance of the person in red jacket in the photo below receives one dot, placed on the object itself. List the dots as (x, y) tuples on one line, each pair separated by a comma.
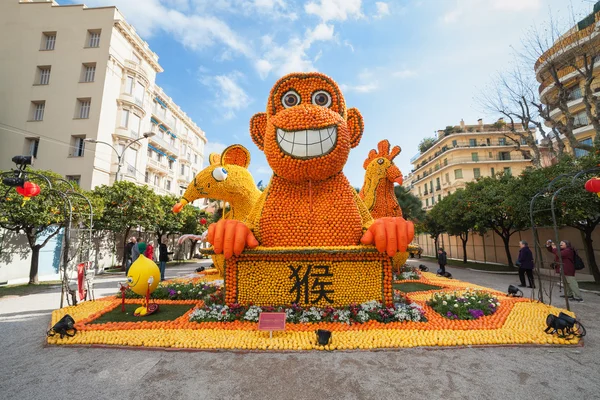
[(149, 253), (568, 258)]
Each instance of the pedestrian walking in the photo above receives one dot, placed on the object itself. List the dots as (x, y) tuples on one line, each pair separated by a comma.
[(135, 250), (149, 253), (163, 257), (128, 253), (525, 264), (567, 254), (442, 261)]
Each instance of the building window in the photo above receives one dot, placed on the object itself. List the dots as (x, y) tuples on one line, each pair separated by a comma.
[(580, 120), (43, 75), (475, 156), (171, 163), (454, 143), (168, 185), (426, 202), (431, 186), (445, 161), (147, 177), (575, 93), (437, 184), (37, 110), (149, 152), (182, 169), (439, 197), (458, 174), (504, 155), (156, 180), (524, 141), (77, 146), (472, 142), (129, 85), (490, 155), (447, 178), (134, 125), (88, 72), (76, 179), (507, 171), (140, 90), (125, 119), (476, 172), (502, 141), (488, 141), (48, 40), (137, 59), (31, 146), (159, 157), (581, 152), (492, 172), (196, 159), (172, 141), (84, 106), (94, 38)]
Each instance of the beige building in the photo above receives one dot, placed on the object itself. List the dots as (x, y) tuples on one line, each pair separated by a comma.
[(461, 154), (566, 53), (72, 77)]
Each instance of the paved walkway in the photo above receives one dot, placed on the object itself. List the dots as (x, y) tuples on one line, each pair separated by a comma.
[(30, 370)]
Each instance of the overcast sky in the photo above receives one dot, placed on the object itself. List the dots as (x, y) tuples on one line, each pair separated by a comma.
[(410, 66)]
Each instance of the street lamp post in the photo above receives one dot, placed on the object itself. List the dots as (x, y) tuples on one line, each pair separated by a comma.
[(120, 156)]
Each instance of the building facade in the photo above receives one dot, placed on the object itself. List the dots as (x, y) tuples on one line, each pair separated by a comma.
[(76, 81), (461, 154), (565, 59)]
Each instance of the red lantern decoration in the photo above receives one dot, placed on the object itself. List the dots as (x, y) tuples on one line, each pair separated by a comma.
[(28, 190), (593, 186), (203, 221)]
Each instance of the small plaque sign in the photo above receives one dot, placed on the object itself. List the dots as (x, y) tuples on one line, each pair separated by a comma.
[(271, 321)]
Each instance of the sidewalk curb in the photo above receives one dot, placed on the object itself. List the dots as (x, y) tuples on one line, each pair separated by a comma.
[(491, 272)]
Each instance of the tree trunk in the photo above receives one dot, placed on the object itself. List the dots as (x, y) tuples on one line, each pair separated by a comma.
[(33, 268), (193, 248), (591, 257), (464, 244), (506, 240), (436, 241)]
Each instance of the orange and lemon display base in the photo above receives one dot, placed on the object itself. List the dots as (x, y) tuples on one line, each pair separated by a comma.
[(319, 277), (518, 321)]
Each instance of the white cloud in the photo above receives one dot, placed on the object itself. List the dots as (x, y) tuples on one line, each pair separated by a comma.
[(214, 147), (195, 31), (475, 9), (365, 88), (452, 16), (293, 55), (348, 44), (383, 9), (229, 95), (405, 73), (332, 10)]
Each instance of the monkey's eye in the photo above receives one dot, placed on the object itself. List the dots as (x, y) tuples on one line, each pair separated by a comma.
[(220, 174), (290, 99), (380, 161), (321, 98)]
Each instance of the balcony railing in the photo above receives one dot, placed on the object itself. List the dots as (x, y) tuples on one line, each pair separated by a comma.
[(509, 157), (164, 144), (152, 163)]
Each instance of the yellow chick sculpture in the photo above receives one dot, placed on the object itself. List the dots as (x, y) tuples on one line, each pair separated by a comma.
[(143, 278)]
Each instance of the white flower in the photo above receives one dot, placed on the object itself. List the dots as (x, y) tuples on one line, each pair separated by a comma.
[(444, 303), (179, 292), (456, 305)]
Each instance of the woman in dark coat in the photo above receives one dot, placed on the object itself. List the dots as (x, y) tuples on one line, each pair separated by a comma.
[(163, 257), (525, 264), (442, 261)]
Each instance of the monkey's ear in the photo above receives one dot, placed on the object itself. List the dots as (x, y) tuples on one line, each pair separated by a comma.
[(258, 128), (355, 125)]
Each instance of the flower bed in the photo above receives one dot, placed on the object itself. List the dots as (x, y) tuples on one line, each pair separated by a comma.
[(178, 290), (516, 321), (469, 305)]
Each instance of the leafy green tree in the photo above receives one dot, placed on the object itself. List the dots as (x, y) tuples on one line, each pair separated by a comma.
[(454, 213), (128, 206), (40, 219), (432, 225), (171, 222), (410, 204), (500, 204), (192, 224), (426, 144)]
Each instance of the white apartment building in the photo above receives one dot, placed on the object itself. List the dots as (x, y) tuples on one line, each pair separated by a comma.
[(69, 75)]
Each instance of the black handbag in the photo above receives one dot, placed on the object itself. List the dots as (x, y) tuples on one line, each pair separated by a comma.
[(64, 327)]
